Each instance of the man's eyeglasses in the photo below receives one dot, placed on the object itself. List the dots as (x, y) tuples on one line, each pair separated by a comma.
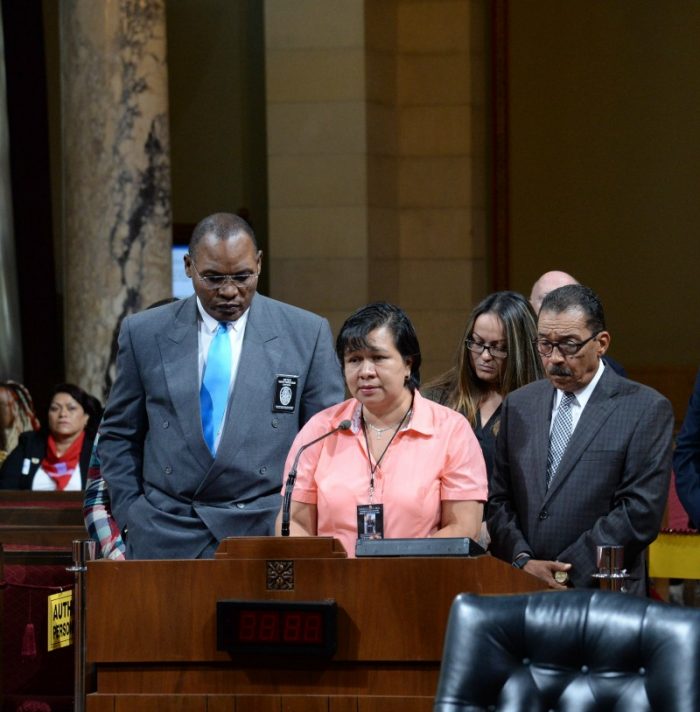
[(566, 348), (477, 347), (217, 281)]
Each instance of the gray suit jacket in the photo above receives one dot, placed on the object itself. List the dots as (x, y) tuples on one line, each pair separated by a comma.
[(610, 488), (176, 500)]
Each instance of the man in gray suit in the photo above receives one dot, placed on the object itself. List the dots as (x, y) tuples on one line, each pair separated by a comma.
[(582, 459), (192, 454)]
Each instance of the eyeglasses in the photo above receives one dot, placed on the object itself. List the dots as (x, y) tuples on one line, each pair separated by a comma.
[(478, 348), (566, 348), (217, 281)]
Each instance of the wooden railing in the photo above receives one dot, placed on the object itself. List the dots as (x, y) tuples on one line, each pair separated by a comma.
[(36, 534)]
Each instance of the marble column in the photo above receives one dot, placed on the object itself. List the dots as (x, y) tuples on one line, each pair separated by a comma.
[(10, 338), (116, 176)]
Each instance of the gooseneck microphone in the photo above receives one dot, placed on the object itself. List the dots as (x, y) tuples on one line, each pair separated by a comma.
[(291, 478)]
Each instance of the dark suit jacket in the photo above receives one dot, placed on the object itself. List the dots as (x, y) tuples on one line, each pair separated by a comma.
[(610, 488), (32, 446), (615, 365), (175, 498), (686, 458)]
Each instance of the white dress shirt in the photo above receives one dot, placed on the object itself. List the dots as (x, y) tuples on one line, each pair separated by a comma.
[(582, 397)]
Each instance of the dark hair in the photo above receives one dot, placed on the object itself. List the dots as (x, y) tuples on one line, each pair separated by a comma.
[(577, 296), (461, 387), (90, 404), (353, 335), (222, 226)]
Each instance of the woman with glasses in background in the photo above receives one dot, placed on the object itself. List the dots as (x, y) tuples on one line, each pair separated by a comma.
[(497, 354)]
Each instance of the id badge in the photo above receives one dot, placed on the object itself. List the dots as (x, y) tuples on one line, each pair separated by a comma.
[(285, 393), (370, 521)]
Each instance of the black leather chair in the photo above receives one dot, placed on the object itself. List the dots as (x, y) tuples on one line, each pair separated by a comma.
[(570, 651)]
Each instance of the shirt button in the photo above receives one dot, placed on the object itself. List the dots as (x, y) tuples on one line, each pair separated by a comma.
[(275, 423), (543, 515), (168, 470), (262, 470), (166, 424), (240, 505)]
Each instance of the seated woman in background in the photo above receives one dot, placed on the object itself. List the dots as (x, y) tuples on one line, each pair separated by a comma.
[(406, 467), (497, 354), (56, 458), (16, 416)]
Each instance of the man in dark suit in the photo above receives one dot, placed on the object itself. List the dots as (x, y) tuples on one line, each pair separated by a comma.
[(190, 453), (686, 458), (583, 458)]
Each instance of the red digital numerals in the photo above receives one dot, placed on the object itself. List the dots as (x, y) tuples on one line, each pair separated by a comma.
[(299, 627)]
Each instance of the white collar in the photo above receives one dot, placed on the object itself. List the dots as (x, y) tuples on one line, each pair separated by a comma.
[(583, 394), (211, 324)]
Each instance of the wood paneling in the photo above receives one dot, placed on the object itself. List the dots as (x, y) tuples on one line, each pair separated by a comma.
[(257, 703), (99, 703), (151, 628), (273, 675), (395, 704), (160, 703), (304, 704), (41, 519), (342, 704), (170, 615)]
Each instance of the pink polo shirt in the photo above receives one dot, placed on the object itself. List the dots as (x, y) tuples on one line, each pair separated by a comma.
[(434, 457)]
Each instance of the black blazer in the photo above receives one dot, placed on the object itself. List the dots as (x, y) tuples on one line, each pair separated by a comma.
[(686, 458), (32, 446)]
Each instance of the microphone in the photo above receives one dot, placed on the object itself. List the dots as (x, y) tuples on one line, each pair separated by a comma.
[(291, 478)]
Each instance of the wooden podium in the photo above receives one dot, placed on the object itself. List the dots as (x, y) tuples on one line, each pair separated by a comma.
[(151, 628)]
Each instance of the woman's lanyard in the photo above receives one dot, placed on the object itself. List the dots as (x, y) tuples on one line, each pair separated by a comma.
[(373, 469)]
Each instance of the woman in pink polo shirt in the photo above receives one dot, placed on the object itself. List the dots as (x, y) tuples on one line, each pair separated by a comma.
[(405, 467)]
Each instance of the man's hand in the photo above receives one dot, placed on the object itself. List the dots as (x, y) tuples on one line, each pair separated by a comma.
[(547, 570)]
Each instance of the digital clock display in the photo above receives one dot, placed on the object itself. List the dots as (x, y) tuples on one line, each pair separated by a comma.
[(277, 627)]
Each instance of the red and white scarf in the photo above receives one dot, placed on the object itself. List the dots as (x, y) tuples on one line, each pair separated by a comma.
[(60, 467)]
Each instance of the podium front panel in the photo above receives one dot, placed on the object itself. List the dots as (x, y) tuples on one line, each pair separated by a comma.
[(151, 626)]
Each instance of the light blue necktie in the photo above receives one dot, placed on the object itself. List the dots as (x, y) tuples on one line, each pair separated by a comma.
[(215, 380)]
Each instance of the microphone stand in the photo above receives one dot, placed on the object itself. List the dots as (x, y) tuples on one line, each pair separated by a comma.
[(292, 476)]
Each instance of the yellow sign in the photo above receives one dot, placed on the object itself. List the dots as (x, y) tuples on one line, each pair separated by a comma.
[(60, 633), (675, 556)]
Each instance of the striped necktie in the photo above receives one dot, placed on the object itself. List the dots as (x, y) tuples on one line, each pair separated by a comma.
[(213, 395), (559, 437)]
